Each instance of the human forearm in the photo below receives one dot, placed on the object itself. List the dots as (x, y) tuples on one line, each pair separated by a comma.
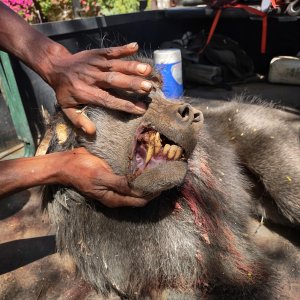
[(77, 168), (83, 78), (23, 173), (26, 43)]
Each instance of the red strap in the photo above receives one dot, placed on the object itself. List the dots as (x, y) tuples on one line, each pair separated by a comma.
[(212, 28), (274, 4), (250, 10), (264, 24), (263, 44)]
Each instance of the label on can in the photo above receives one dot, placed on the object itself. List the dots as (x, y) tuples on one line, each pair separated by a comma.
[(168, 63), (172, 79)]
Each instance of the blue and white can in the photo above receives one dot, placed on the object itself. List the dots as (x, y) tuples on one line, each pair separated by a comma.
[(168, 63)]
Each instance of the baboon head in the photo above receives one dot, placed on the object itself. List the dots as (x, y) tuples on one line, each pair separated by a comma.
[(151, 150)]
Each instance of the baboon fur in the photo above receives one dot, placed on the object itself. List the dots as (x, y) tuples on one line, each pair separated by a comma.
[(192, 241)]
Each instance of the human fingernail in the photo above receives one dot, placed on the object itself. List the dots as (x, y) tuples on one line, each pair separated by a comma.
[(142, 68), (132, 45), (146, 86), (83, 129)]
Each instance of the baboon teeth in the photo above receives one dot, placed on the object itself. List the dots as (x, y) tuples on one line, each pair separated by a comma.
[(178, 154), (166, 149), (173, 152), (153, 143)]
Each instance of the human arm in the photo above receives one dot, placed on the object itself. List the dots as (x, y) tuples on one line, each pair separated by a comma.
[(77, 168), (81, 78)]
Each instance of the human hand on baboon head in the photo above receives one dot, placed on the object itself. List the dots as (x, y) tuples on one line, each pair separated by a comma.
[(87, 77)]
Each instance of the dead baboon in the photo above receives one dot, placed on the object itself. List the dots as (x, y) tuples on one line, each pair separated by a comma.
[(215, 170)]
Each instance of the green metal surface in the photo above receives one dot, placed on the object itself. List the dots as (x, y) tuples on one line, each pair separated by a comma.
[(12, 97)]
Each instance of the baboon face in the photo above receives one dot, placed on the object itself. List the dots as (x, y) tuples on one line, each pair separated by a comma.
[(151, 150)]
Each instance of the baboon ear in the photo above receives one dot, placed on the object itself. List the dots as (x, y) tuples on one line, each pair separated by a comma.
[(64, 135), (62, 132), (60, 135)]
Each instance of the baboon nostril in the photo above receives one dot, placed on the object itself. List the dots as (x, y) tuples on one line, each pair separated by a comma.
[(189, 114), (198, 116), (185, 112)]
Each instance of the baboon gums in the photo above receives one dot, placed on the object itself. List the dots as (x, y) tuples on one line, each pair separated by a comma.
[(193, 240)]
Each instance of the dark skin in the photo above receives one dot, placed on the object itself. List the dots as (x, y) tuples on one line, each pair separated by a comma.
[(81, 78), (87, 173)]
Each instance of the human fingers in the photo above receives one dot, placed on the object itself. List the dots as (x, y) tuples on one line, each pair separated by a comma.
[(115, 52), (99, 97), (121, 81), (112, 199), (122, 66), (118, 184), (80, 120)]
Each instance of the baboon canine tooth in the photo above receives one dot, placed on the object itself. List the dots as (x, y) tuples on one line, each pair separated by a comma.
[(151, 146), (157, 143), (149, 154)]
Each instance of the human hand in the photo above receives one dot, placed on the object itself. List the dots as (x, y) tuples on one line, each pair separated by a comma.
[(91, 176), (82, 77)]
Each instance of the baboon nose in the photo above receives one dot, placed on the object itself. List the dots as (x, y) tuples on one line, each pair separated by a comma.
[(189, 114)]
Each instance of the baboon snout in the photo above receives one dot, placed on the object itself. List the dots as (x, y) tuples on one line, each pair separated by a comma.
[(187, 113)]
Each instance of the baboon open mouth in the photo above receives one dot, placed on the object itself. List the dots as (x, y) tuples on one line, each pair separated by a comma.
[(153, 148)]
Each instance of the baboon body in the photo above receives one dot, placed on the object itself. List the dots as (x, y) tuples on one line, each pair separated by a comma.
[(193, 241)]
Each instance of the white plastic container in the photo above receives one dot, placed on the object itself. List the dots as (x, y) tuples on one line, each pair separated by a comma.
[(162, 4), (168, 63), (285, 69)]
